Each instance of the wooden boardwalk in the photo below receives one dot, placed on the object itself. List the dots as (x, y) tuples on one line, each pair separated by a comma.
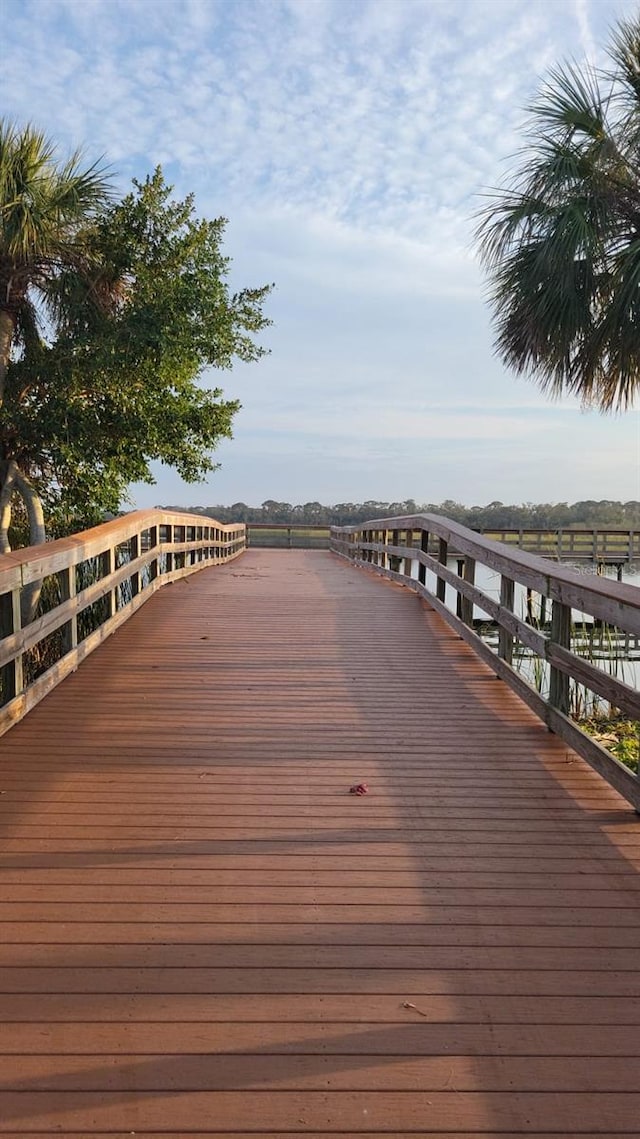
[(205, 934)]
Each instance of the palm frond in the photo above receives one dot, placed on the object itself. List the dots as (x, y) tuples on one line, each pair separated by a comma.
[(571, 102), (561, 241), (43, 203), (624, 50)]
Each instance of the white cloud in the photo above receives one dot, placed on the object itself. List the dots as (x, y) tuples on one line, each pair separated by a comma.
[(381, 423), (391, 114), (348, 144)]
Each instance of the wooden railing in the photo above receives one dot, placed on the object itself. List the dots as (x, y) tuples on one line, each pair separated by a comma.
[(288, 535), (399, 548), (91, 583), (600, 547)]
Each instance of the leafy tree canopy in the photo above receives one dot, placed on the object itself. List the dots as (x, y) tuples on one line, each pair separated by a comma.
[(561, 241), (106, 377)]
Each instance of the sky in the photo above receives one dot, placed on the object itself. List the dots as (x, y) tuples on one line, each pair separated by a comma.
[(349, 143)]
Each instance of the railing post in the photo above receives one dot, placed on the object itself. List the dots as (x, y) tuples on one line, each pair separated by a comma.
[(408, 561), (424, 546), (542, 619), (466, 606), (560, 635), (394, 560), (67, 579), (443, 552), (460, 572), (134, 552), (153, 542), (11, 676), (109, 568), (505, 638), (384, 538)]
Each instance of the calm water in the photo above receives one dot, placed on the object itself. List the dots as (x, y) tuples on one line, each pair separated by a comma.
[(612, 654)]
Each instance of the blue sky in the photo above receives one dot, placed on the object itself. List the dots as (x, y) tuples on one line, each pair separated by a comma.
[(348, 143)]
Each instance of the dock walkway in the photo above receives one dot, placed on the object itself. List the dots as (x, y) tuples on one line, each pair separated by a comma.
[(204, 934)]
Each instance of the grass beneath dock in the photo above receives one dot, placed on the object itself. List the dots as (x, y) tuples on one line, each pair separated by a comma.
[(619, 735)]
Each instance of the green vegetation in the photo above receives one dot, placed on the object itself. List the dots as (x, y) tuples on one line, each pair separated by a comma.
[(617, 734), (560, 243), (589, 514), (109, 313)]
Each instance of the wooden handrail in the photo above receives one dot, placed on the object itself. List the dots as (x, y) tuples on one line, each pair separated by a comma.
[(288, 534), (324, 527), (392, 547), (94, 581)]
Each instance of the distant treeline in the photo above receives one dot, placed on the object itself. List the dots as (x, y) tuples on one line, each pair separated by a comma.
[(497, 515)]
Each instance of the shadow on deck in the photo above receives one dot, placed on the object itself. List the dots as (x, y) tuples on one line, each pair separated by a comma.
[(205, 934)]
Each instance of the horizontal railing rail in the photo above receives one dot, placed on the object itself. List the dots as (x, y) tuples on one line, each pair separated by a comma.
[(291, 535), (402, 549), (90, 584)]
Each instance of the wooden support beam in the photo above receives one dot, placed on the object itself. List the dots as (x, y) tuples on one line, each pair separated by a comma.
[(561, 636)]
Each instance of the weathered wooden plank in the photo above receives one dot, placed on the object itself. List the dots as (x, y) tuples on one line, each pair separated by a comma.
[(50, 894), (218, 933), (466, 842), (54, 1040), (316, 1009), (533, 913), (333, 1134), (537, 876), (342, 1134), (389, 959), (399, 982), (393, 1071), (231, 1111)]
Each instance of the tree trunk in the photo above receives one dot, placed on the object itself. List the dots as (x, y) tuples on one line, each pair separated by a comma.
[(6, 494), (7, 332), (37, 534)]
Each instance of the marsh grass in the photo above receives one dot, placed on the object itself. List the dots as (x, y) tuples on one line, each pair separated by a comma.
[(607, 648), (617, 734)]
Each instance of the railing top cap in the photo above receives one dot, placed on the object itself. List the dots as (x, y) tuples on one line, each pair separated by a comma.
[(76, 547)]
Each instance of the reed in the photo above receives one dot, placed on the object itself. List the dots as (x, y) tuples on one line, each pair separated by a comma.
[(605, 647)]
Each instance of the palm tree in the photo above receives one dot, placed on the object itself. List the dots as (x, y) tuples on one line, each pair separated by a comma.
[(561, 242), (46, 209)]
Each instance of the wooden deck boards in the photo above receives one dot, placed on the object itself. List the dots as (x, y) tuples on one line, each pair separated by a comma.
[(204, 934)]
